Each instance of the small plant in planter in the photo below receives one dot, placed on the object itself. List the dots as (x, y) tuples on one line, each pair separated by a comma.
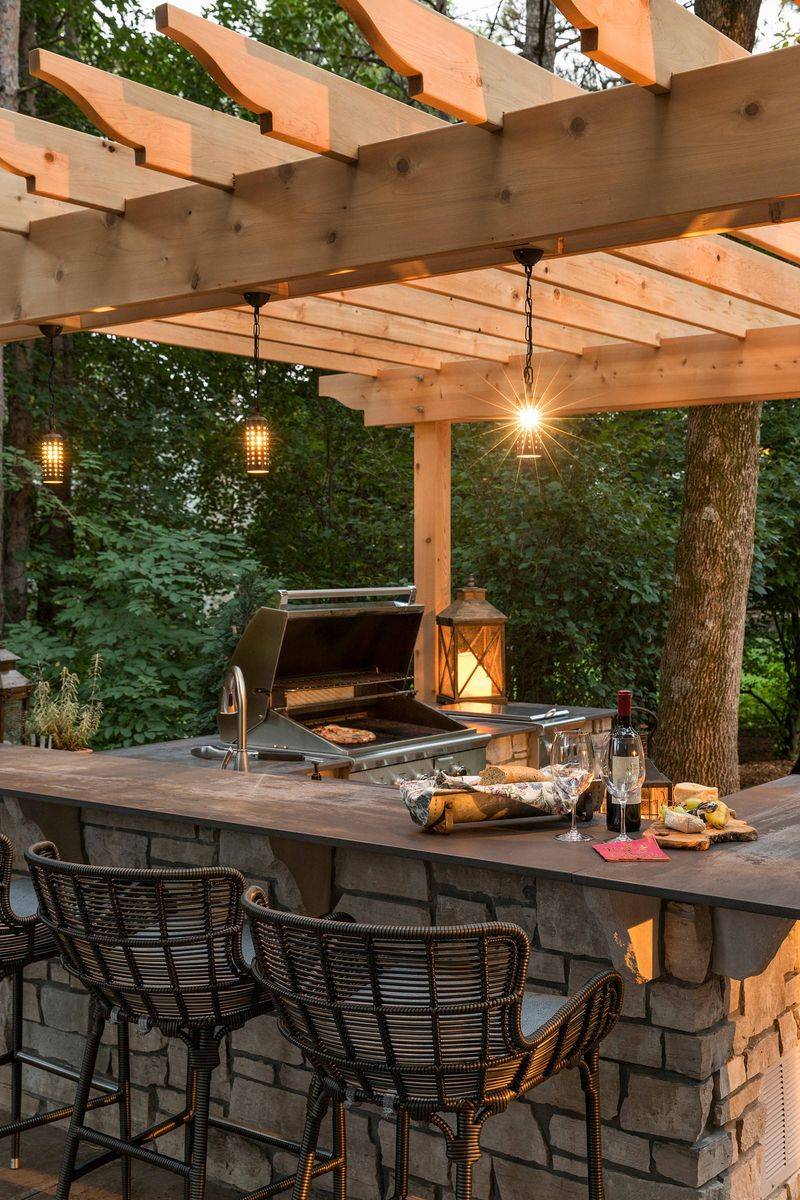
[(58, 718)]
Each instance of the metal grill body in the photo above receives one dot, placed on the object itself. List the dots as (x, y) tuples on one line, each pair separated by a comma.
[(427, 1022), (160, 949)]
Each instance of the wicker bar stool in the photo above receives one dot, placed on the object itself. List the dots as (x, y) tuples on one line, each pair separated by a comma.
[(156, 949), (426, 1022), (25, 940)]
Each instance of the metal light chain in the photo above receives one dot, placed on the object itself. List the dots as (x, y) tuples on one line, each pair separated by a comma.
[(527, 373), (257, 357), (51, 332)]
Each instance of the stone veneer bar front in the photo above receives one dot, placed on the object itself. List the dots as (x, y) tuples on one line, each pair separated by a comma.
[(683, 1074)]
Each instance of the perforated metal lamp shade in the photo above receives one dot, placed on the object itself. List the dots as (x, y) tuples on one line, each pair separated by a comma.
[(256, 445), (53, 458), (528, 445), (472, 649)]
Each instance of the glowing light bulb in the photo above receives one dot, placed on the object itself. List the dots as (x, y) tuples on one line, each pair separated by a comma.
[(256, 445), (52, 458), (529, 443)]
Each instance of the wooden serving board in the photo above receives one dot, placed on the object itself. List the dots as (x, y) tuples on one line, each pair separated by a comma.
[(734, 831)]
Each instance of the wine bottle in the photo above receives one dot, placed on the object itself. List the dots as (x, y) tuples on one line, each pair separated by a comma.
[(622, 724)]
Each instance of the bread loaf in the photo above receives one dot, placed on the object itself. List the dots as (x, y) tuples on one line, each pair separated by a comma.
[(513, 773)]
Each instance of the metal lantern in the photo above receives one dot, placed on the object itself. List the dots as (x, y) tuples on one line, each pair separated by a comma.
[(256, 427), (472, 649), (52, 455), (529, 443), (15, 695), (256, 445), (52, 449)]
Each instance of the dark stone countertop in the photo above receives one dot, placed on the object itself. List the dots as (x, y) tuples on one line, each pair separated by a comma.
[(762, 876)]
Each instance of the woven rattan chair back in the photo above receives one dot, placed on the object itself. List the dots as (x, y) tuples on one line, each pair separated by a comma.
[(400, 1015), (163, 946), (22, 939)]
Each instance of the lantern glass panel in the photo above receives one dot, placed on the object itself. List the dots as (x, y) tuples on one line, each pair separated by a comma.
[(479, 661)]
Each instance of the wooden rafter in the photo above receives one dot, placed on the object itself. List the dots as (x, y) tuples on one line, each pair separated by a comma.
[(170, 334), (66, 165), (647, 41), (304, 224), (18, 208), (459, 314), (167, 134), (451, 68), (505, 290), (293, 333), (704, 369), (298, 103)]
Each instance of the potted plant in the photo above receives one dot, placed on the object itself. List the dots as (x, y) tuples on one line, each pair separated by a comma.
[(59, 719)]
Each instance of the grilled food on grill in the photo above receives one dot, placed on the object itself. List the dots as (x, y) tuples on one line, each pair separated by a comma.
[(341, 735)]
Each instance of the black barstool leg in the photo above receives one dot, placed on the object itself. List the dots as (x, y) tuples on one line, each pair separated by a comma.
[(16, 1065), (590, 1081), (465, 1150), (93, 1036), (401, 1146), (315, 1111), (188, 1132), (340, 1150), (205, 1058), (124, 1084)]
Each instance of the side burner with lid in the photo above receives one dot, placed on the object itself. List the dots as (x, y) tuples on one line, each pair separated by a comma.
[(345, 658)]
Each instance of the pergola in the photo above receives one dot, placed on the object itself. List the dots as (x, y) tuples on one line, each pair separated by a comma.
[(385, 235)]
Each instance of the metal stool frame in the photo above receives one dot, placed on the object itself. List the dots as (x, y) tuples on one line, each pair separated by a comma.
[(162, 949), (427, 1021), (23, 942)]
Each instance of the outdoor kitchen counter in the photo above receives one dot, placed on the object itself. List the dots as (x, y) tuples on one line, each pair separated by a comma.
[(760, 877), (712, 991)]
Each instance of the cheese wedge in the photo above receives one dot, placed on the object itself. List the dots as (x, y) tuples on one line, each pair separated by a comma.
[(693, 791)]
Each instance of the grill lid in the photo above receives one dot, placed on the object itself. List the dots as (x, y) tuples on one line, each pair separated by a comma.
[(283, 648)]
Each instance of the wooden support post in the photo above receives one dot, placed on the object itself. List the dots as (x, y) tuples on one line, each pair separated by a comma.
[(431, 543)]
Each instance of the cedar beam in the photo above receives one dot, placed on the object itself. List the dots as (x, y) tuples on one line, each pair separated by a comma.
[(706, 369), (432, 514), (168, 134), (298, 103), (450, 67), (647, 41), (714, 153)]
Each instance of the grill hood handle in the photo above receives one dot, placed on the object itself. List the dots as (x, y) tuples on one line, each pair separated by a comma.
[(403, 595)]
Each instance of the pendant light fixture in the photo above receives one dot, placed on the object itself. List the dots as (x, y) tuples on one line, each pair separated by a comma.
[(52, 449), (256, 427), (529, 418)]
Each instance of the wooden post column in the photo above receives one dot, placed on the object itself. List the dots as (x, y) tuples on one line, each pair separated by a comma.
[(432, 473)]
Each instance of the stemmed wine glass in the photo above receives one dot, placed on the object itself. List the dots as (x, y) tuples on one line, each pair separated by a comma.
[(624, 767), (571, 764)]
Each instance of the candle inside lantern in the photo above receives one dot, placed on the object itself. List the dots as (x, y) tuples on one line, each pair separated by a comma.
[(473, 680)]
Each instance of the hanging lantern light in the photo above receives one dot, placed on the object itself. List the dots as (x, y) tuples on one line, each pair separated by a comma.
[(52, 450), (528, 445), (256, 427)]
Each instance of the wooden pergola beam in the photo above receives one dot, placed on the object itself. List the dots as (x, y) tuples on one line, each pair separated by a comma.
[(705, 369), (64, 164), (274, 330), (457, 313), (451, 68), (505, 290), (169, 333), (18, 207), (647, 41), (298, 103), (711, 156), (167, 134), (355, 318), (432, 538)]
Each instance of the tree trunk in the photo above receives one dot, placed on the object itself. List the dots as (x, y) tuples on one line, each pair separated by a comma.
[(737, 19), (9, 98), (21, 499), (701, 666), (540, 33)]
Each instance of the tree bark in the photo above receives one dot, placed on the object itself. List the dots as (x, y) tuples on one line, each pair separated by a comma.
[(737, 19), (701, 665), (21, 499), (540, 33), (9, 98)]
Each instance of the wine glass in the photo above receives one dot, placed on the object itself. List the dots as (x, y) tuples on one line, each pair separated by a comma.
[(624, 767), (571, 765)]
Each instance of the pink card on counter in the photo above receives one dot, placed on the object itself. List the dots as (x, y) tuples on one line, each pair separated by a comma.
[(644, 849)]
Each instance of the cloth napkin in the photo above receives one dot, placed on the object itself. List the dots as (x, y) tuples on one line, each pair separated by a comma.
[(644, 849)]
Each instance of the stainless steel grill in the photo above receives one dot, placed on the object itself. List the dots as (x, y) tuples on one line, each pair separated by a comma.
[(345, 658)]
